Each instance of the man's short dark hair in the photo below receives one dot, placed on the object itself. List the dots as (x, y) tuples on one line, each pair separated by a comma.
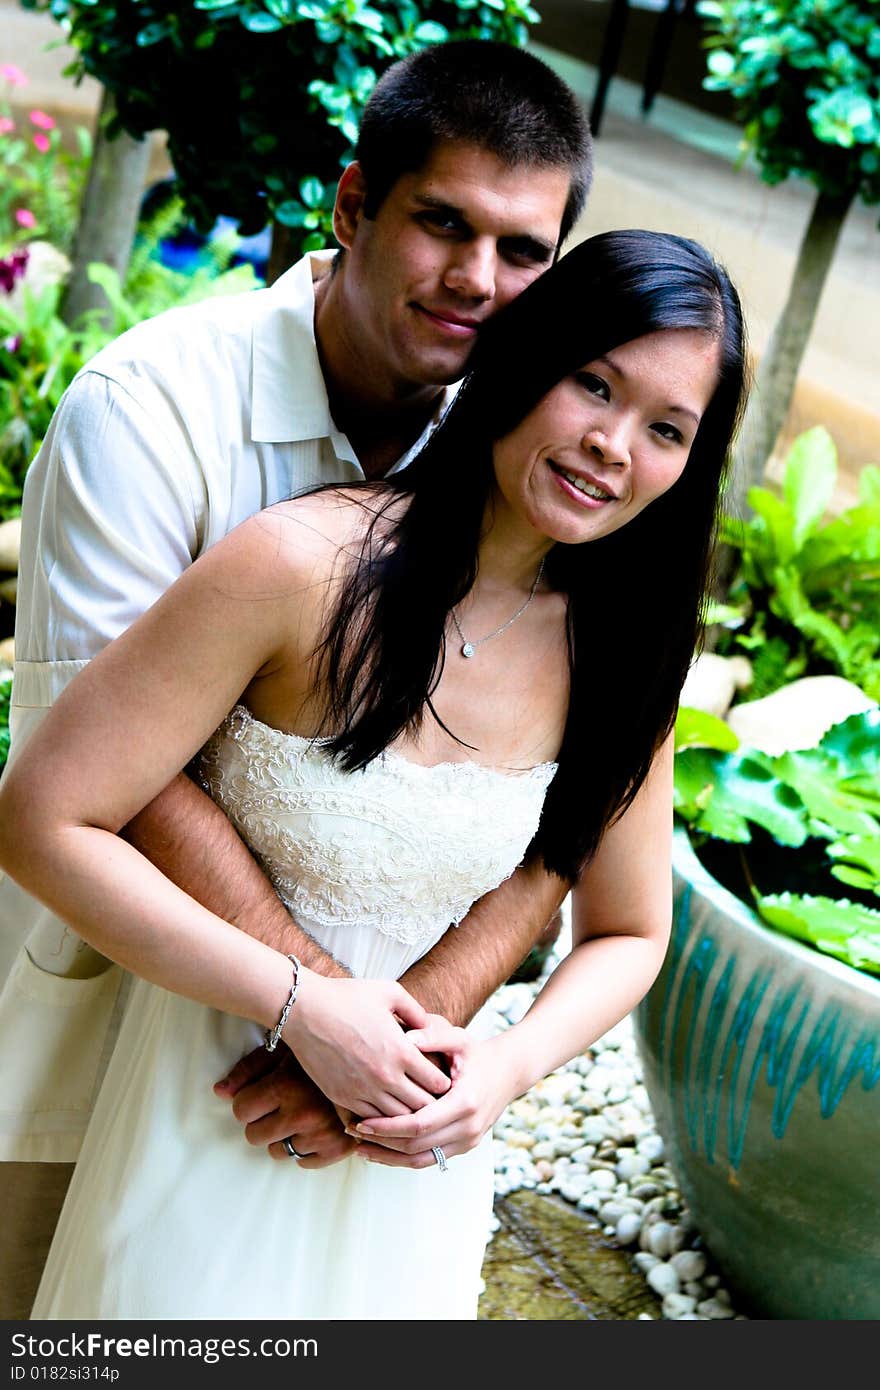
[(488, 94)]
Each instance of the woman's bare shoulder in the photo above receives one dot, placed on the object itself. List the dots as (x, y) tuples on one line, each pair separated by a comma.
[(331, 521), (305, 540)]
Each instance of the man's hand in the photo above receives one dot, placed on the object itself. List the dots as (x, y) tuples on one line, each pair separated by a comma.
[(276, 1100)]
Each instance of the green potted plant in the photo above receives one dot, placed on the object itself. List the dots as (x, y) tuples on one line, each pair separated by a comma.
[(761, 1038)]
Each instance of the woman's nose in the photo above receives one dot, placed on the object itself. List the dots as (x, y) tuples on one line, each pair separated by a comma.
[(609, 445), (471, 270)]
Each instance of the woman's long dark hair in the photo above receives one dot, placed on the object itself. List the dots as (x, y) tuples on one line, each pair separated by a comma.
[(635, 597)]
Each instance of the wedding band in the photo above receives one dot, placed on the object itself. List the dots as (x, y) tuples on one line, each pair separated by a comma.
[(440, 1157), (288, 1147)]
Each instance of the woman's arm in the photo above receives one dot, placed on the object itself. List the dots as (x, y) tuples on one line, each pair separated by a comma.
[(119, 734), (620, 931)]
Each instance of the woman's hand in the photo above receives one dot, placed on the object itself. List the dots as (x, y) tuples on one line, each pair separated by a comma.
[(349, 1036), (482, 1086)]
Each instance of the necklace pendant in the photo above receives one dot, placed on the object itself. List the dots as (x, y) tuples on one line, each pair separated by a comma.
[(467, 649)]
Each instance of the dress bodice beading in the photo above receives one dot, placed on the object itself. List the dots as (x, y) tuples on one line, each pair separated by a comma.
[(399, 847)]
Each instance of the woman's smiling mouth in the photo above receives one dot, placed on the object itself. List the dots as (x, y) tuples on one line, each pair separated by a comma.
[(585, 489)]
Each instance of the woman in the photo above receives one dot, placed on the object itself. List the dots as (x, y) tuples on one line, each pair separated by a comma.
[(430, 679)]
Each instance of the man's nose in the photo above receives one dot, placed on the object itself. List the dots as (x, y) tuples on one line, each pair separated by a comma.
[(471, 270)]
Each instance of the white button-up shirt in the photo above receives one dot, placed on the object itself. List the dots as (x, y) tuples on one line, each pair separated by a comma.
[(167, 439)]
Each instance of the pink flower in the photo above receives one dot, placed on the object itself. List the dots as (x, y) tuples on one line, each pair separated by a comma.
[(12, 268), (6, 125), (42, 143), (42, 120), (25, 218), (13, 75)]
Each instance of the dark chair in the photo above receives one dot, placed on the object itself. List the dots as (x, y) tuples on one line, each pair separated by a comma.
[(656, 64)]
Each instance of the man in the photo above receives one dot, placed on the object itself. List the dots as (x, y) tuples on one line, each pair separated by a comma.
[(472, 165)]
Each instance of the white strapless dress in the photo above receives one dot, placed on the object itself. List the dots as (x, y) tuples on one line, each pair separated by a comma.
[(171, 1214)]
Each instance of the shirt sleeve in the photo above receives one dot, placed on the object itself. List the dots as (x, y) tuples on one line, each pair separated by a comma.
[(113, 512)]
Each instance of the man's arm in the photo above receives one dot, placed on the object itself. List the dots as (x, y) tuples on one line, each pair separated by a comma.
[(191, 840), (455, 978), (471, 960)]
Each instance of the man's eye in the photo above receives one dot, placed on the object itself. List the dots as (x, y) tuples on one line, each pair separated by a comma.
[(594, 384), (440, 221), (525, 253)]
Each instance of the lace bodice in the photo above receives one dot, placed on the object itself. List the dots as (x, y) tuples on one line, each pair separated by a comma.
[(397, 847)]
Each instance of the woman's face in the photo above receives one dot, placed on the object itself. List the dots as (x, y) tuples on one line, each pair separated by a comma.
[(608, 440)]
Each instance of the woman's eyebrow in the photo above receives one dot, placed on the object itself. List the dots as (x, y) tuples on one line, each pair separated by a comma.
[(668, 409)]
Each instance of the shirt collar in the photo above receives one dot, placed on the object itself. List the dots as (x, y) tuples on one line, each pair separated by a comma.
[(289, 401), (289, 395)]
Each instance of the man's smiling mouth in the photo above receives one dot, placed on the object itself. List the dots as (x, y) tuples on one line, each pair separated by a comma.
[(454, 324)]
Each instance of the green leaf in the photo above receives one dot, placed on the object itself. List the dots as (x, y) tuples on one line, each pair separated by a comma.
[(859, 860), (817, 781), (855, 742), (153, 33), (314, 242), (694, 728), (848, 931), (259, 22), (290, 213), (779, 521), (431, 32), (721, 63), (311, 190), (722, 793), (810, 478), (869, 485), (727, 614)]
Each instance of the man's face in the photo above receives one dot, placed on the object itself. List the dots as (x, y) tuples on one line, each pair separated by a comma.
[(451, 244)]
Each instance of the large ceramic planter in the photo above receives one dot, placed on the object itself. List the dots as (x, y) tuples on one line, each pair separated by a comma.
[(762, 1063)]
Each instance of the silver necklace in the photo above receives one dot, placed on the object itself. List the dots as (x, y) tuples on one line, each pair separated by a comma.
[(469, 648)]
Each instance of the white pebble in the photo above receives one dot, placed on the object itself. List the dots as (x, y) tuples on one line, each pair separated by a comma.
[(689, 1264), (660, 1241), (591, 1201), (633, 1165), (645, 1261), (712, 1308), (628, 1227), (602, 1180), (612, 1212), (651, 1145), (663, 1279), (675, 1305)]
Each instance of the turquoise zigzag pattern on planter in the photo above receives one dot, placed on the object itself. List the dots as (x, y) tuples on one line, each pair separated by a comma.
[(795, 1042)]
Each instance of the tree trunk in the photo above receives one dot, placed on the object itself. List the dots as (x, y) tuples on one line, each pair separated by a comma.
[(777, 371), (281, 253), (109, 214)]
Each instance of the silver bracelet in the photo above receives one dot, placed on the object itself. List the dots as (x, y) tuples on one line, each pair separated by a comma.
[(273, 1035)]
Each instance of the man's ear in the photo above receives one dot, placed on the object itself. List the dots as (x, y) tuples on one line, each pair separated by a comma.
[(349, 206)]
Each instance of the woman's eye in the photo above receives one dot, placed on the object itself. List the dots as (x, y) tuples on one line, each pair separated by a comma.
[(594, 384), (667, 431)]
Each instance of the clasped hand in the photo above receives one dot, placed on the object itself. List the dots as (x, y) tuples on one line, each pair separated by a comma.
[(354, 1060)]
